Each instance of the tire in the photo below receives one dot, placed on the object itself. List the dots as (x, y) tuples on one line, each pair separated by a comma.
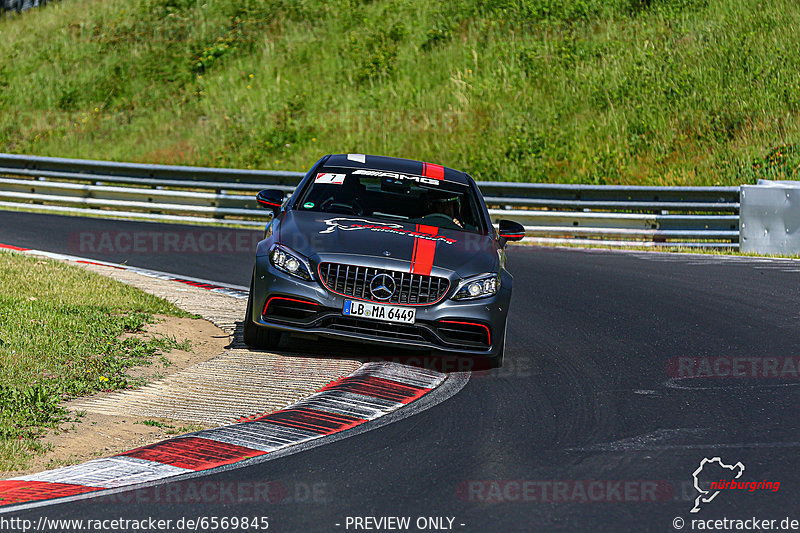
[(497, 360), (258, 337)]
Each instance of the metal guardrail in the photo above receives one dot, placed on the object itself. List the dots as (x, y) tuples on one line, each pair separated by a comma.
[(551, 213), (20, 5)]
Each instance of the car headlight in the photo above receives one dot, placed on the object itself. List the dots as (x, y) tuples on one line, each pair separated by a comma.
[(478, 287), (290, 262)]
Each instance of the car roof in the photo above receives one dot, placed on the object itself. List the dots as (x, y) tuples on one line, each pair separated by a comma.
[(397, 164)]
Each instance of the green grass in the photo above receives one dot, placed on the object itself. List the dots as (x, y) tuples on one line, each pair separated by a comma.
[(62, 335), (170, 429), (593, 91), (155, 423)]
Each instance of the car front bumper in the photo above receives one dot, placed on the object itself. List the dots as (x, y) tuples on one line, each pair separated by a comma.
[(471, 328)]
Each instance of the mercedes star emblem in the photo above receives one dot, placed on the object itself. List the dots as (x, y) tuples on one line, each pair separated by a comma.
[(382, 287)]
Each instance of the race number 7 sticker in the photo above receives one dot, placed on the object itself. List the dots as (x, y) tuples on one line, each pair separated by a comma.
[(332, 179)]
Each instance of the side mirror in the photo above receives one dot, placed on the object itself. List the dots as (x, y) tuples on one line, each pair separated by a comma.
[(270, 199), (511, 231)]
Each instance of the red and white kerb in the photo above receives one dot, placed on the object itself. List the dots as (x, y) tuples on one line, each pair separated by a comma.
[(370, 392)]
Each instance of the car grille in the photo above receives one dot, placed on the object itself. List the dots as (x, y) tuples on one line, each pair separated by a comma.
[(410, 289)]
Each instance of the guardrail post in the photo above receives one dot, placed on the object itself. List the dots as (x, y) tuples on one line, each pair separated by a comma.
[(770, 217)]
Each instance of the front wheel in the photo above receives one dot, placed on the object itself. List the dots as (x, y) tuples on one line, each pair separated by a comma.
[(255, 336), (497, 360)]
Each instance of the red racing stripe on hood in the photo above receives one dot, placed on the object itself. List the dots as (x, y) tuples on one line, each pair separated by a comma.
[(424, 251)]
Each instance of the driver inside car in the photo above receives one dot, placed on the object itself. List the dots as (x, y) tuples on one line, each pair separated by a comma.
[(345, 198), (449, 206)]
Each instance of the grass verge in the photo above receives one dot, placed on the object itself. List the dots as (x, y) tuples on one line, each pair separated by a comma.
[(64, 332), (662, 92)]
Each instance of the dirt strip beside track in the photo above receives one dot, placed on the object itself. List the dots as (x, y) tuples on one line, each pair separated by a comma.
[(238, 383)]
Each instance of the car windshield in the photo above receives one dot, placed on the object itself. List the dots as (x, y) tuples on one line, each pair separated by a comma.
[(395, 197)]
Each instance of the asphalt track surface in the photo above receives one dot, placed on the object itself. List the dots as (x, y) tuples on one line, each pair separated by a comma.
[(589, 393)]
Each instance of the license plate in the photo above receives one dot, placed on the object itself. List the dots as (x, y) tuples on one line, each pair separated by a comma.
[(387, 313)]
